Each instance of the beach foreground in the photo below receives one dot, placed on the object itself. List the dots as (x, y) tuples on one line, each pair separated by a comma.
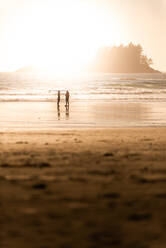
[(83, 188)]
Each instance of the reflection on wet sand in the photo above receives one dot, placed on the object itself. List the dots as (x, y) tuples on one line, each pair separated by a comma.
[(67, 112), (122, 112), (45, 115), (59, 112)]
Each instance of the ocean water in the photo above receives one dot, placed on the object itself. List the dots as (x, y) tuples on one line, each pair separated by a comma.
[(109, 87), (28, 101)]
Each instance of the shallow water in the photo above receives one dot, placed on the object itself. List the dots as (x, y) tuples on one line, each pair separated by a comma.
[(81, 114), (28, 101), (41, 87)]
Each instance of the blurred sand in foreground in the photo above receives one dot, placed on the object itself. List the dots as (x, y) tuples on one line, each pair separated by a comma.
[(83, 188)]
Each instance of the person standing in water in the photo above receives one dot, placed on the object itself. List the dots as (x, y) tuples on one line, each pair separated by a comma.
[(58, 98), (67, 95)]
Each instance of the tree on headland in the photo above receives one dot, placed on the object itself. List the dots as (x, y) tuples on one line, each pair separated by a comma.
[(122, 59)]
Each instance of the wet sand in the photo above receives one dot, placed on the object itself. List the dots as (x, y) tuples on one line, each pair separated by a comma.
[(81, 114), (97, 188)]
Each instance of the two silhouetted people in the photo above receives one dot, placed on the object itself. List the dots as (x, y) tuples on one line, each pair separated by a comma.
[(67, 96)]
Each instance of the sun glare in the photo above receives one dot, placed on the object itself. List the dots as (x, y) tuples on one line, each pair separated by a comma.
[(60, 39)]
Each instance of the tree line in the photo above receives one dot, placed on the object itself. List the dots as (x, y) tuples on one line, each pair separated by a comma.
[(122, 59)]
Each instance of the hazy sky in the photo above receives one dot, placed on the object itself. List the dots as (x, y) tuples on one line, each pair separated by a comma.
[(32, 29)]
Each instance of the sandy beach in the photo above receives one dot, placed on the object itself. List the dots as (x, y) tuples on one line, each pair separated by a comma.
[(83, 188), (82, 124), (44, 115)]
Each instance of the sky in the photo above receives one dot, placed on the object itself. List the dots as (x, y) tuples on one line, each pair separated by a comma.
[(66, 34)]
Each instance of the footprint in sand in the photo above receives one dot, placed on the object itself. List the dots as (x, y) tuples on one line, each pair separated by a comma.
[(37, 165), (39, 186), (139, 217), (112, 195), (108, 154), (21, 142), (150, 178), (162, 195)]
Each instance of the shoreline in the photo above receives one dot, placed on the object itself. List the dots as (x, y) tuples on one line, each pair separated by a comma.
[(81, 129), (91, 114)]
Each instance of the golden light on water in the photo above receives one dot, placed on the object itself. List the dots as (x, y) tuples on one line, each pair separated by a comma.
[(60, 38)]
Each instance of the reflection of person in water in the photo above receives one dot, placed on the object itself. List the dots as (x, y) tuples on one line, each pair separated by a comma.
[(67, 113), (59, 98), (67, 95), (58, 111)]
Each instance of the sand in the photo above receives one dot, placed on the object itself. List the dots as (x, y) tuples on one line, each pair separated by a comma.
[(82, 114), (83, 188)]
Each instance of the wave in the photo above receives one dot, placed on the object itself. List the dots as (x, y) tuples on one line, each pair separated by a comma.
[(22, 87)]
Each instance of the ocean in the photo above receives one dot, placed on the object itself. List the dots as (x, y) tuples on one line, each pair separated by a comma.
[(109, 87), (28, 101)]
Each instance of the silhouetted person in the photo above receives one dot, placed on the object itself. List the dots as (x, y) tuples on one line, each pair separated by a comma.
[(59, 98), (67, 95)]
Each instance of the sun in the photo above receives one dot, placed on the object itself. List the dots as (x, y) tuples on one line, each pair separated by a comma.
[(60, 39)]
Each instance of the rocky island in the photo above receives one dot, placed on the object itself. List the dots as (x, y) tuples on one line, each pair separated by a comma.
[(122, 59)]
